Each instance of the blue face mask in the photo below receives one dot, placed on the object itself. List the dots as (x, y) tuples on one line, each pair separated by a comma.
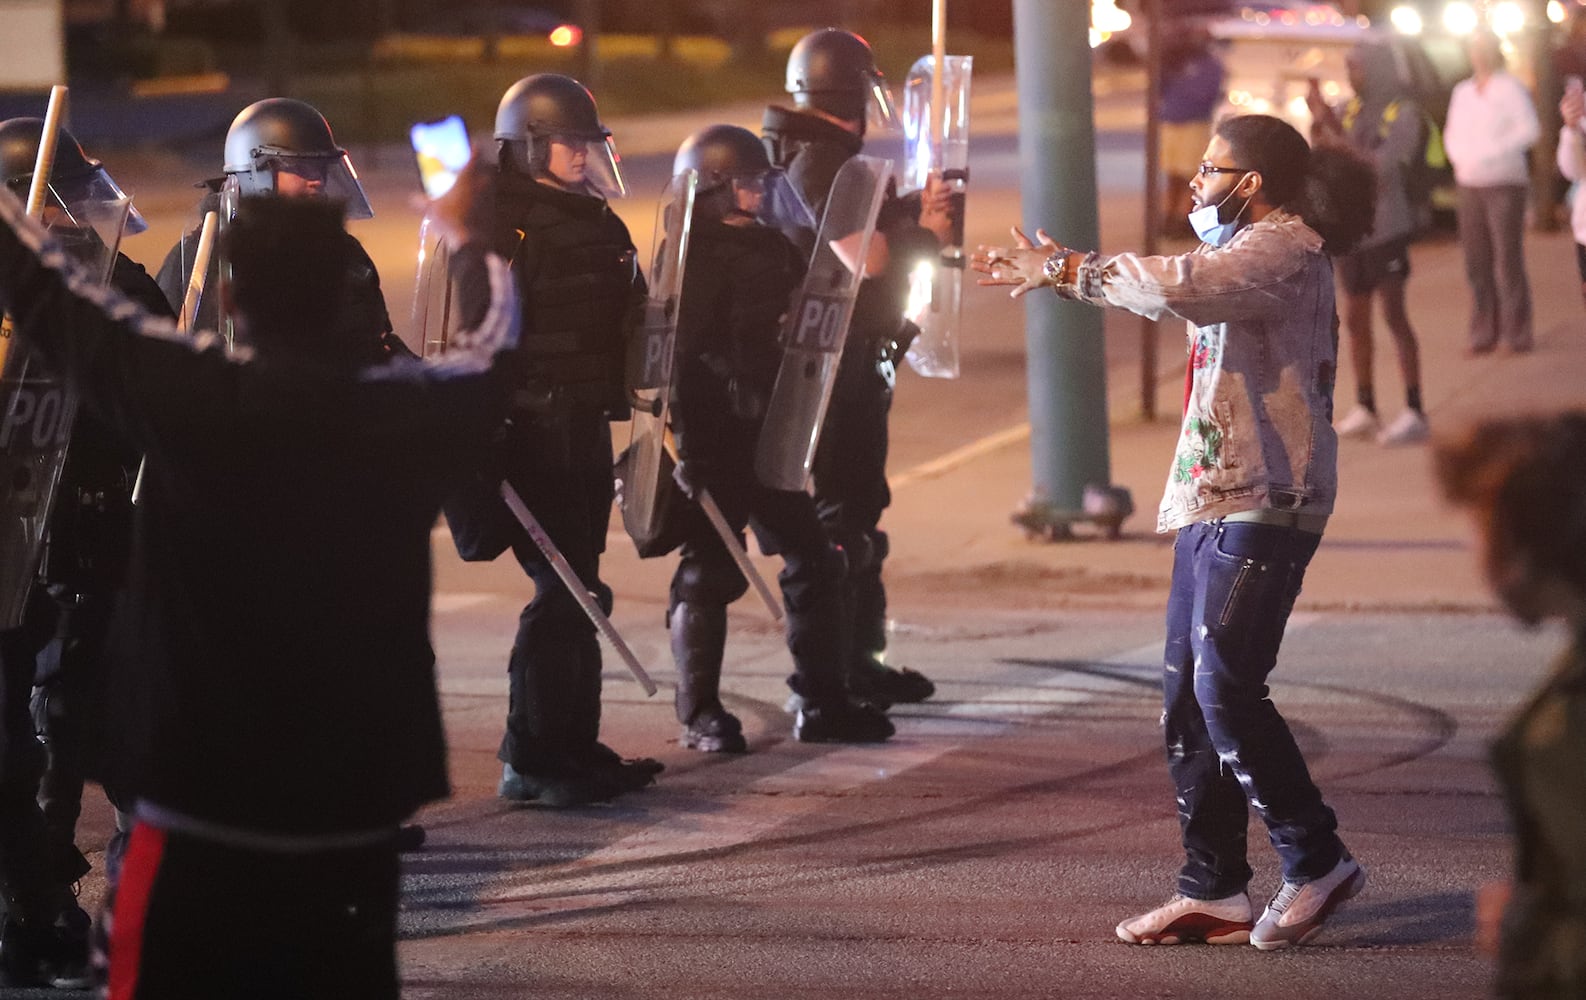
[(1208, 224)]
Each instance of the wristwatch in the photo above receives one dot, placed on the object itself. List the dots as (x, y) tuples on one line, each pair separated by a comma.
[(1055, 268)]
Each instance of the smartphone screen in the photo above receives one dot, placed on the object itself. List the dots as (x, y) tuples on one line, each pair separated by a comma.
[(442, 150)]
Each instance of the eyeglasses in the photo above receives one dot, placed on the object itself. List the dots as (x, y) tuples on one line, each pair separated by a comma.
[(1207, 169)]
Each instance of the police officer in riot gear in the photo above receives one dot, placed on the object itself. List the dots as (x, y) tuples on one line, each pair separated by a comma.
[(740, 274), (61, 642), (581, 294), (285, 147), (837, 90)]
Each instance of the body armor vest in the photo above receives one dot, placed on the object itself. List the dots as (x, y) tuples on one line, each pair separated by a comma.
[(577, 272)]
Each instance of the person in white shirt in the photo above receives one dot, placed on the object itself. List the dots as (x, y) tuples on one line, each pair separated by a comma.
[(1492, 125), (1572, 164)]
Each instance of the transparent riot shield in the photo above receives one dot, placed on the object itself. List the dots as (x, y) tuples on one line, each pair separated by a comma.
[(816, 326), (650, 355), (936, 142), (36, 407), (434, 302)]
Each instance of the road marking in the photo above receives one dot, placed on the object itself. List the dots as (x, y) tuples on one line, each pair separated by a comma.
[(961, 456), (642, 866)]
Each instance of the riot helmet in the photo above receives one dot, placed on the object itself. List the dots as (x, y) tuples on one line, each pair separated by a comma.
[(76, 179), (279, 138), (834, 71), (548, 128), (737, 180)]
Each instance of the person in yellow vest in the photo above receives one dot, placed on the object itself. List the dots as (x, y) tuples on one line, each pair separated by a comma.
[(1382, 122)]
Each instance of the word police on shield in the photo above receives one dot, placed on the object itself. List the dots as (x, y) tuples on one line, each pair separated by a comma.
[(37, 417), (820, 326)]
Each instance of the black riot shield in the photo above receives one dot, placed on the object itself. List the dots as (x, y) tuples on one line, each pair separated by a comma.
[(36, 407), (816, 326), (936, 142), (650, 361)]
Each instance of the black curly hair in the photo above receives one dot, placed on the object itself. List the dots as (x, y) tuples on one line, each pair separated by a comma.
[(1331, 187)]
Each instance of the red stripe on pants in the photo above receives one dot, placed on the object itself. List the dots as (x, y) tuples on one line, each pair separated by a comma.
[(138, 871)]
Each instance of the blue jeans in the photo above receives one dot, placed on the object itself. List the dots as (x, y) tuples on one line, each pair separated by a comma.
[(1234, 584)]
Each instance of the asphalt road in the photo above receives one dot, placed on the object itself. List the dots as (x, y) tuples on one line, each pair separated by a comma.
[(988, 850)]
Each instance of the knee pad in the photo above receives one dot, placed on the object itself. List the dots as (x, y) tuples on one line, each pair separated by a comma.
[(856, 548), (707, 582)]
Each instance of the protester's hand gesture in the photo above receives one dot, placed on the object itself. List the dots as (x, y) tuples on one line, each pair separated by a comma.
[(1019, 265)]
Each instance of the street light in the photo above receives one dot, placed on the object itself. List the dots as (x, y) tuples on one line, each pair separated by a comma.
[(1460, 18)]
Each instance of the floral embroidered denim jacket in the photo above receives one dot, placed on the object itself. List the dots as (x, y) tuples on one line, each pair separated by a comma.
[(1263, 343)]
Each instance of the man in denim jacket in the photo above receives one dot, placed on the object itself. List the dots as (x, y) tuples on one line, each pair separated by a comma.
[(1253, 480)]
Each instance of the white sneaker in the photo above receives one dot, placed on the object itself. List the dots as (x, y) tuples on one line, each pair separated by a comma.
[(1358, 423), (1408, 427), (1182, 920), (1297, 911)]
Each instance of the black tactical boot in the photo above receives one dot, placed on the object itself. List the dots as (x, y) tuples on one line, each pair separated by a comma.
[(628, 773), (52, 955), (875, 683), (841, 721), (560, 787), (699, 634)]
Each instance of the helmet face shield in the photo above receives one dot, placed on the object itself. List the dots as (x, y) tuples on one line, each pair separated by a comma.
[(882, 111), (86, 200), (583, 162), (772, 200), (88, 218), (297, 175)]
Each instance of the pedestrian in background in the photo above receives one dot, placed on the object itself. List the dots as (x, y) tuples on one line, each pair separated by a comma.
[(1192, 87), (1252, 483), (1572, 164), (1383, 122), (1492, 125), (1521, 479)]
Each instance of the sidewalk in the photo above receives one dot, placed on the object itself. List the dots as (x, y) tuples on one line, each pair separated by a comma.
[(1392, 543)]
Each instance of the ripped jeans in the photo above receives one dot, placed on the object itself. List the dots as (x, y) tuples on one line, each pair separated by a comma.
[(1234, 584)]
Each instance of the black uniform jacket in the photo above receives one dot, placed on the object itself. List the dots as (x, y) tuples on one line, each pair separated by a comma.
[(581, 290), (271, 667)]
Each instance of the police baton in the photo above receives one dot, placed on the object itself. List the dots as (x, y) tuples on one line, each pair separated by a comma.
[(729, 538), (574, 586), (39, 189), (195, 292)]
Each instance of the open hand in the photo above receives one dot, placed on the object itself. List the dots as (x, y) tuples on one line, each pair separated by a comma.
[(1018, 265)]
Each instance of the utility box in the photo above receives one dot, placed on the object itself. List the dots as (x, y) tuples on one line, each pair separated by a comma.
[(32, 44)]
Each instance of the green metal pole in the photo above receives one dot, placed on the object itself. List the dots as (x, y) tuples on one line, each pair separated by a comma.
[(1067, 370)]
